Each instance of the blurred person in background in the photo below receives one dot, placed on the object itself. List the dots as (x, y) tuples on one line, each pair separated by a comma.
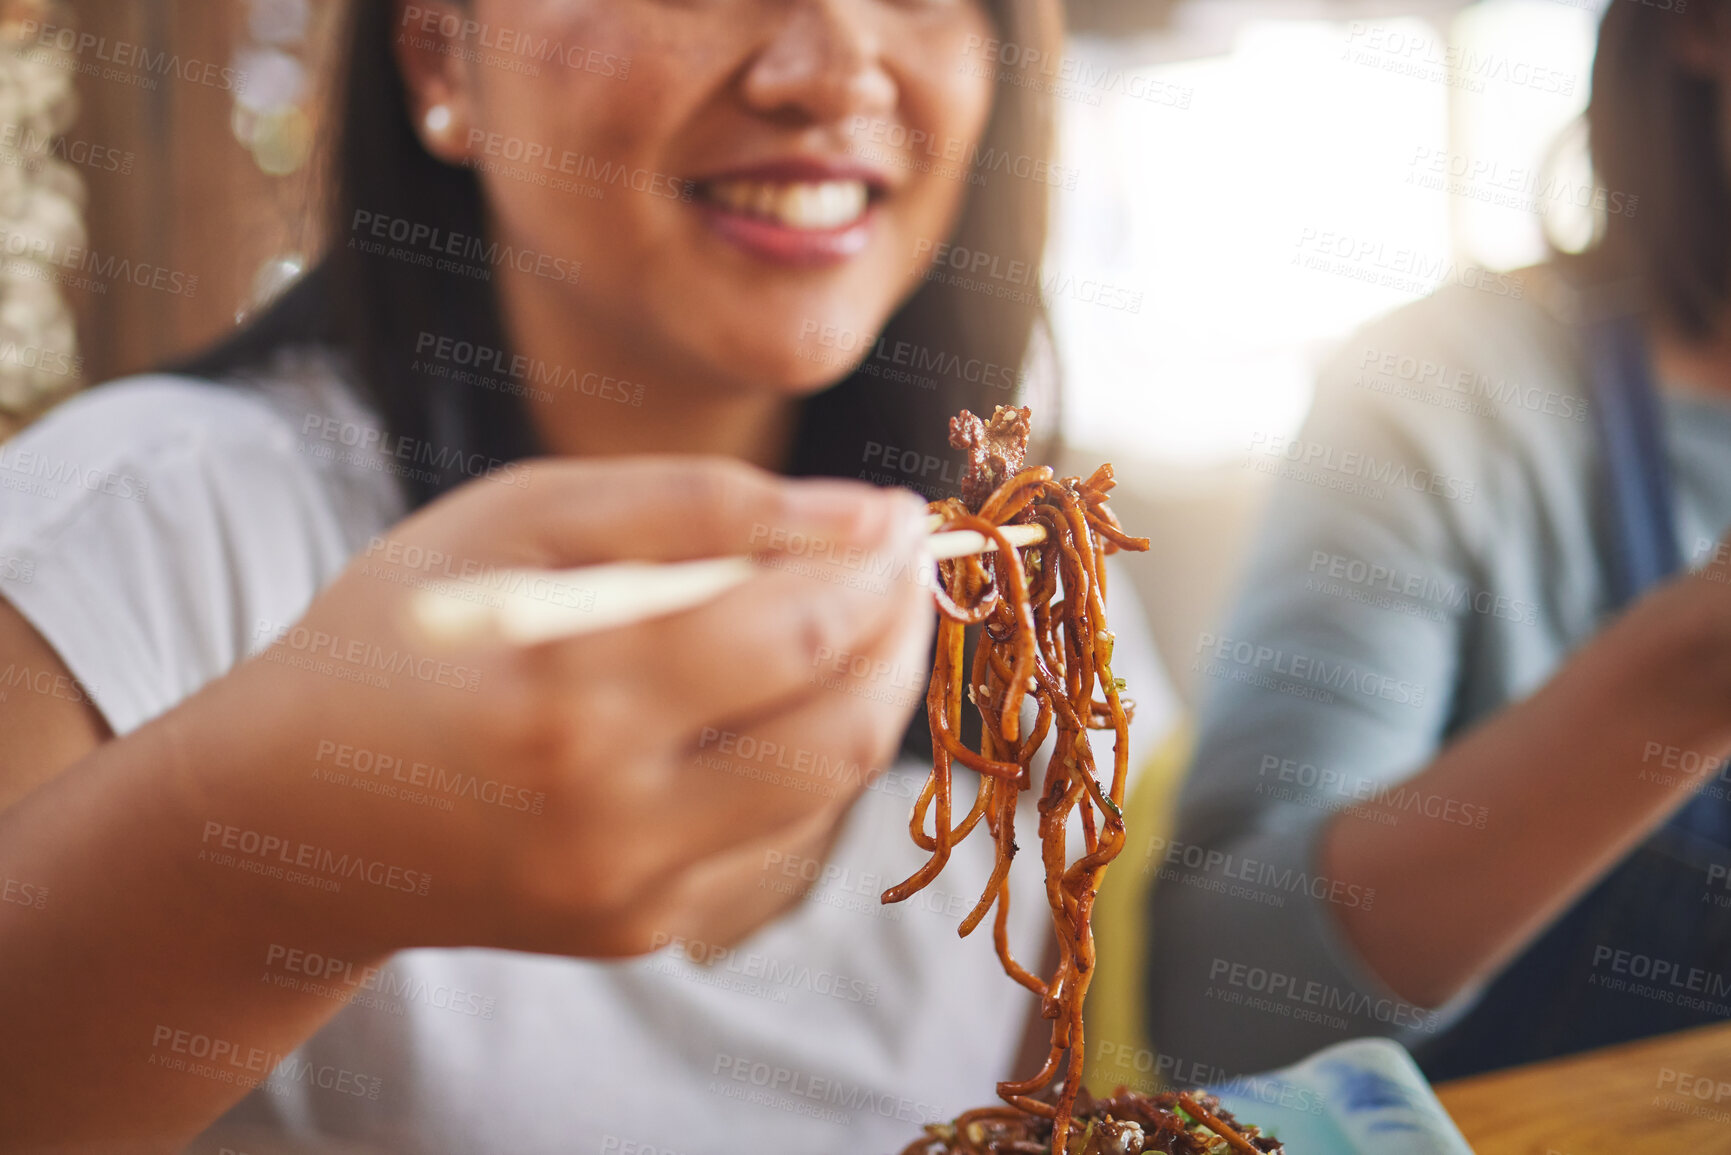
[(214, 643), (1479, 803)]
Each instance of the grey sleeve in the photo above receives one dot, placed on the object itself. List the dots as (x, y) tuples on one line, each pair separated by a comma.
[(1332, 681)]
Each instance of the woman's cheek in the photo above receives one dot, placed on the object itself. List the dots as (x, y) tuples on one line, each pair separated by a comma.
[(953, 70), (565, 165)]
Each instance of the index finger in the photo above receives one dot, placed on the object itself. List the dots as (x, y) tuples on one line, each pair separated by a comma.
[(760, 645), (669, 508)]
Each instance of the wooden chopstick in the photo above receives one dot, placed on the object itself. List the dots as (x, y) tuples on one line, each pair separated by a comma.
[(963, 542), (526, 607)]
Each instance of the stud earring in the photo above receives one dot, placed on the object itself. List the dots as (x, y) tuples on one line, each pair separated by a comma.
[(438, 119)]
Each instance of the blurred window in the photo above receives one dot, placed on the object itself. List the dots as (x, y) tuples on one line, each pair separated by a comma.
[(1268, 177)]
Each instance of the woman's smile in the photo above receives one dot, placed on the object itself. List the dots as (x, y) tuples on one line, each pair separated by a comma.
[(800, 212)]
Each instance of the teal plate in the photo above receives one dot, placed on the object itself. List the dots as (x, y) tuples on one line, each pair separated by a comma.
[(1364, 1097)]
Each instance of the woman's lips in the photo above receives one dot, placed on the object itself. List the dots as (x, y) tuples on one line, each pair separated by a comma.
[(798, 223)]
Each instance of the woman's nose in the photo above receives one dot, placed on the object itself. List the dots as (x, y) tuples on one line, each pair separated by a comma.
[(823, 62)]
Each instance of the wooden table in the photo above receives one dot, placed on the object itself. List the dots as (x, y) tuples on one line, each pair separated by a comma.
[(1669, 1094)]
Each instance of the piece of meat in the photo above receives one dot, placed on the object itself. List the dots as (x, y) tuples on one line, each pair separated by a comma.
[(995, 449)]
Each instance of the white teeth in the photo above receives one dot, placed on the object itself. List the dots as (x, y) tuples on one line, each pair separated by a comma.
[(829, 204)]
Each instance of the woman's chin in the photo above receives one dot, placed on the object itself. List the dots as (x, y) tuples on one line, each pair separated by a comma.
[(809, 384), (804, 372)]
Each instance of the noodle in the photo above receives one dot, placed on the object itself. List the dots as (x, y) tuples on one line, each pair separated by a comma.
[(1043, 636)]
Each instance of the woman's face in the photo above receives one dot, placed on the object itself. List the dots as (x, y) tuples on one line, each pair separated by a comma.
[(739, 178)]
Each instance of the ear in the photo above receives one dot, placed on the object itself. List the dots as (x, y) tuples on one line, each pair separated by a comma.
[(429, 40)]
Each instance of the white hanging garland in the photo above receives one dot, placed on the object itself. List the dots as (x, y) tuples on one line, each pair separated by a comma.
[(42, 201)]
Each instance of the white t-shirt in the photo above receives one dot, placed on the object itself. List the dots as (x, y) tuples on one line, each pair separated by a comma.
[(159, 530)]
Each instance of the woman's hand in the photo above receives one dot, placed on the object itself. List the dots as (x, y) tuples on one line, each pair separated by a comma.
[(564, 797), (350, 792)]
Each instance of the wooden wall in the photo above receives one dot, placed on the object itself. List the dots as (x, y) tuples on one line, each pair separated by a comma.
[(194, 202)]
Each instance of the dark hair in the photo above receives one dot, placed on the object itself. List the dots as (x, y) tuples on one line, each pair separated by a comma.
[(1655, 131), (375, 309)]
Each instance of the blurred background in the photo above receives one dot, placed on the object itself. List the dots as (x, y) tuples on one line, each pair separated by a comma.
[(1433, 141), (1220, 155)]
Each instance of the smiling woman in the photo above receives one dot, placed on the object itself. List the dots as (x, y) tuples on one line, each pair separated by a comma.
[(754, 215), (599, 275)]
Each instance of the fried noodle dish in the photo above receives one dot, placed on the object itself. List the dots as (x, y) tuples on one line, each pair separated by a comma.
[(1043, 638), (1126, 1124)]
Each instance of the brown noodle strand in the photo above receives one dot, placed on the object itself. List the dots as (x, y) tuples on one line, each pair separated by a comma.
[(1207, 1118), (1043, 635)]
